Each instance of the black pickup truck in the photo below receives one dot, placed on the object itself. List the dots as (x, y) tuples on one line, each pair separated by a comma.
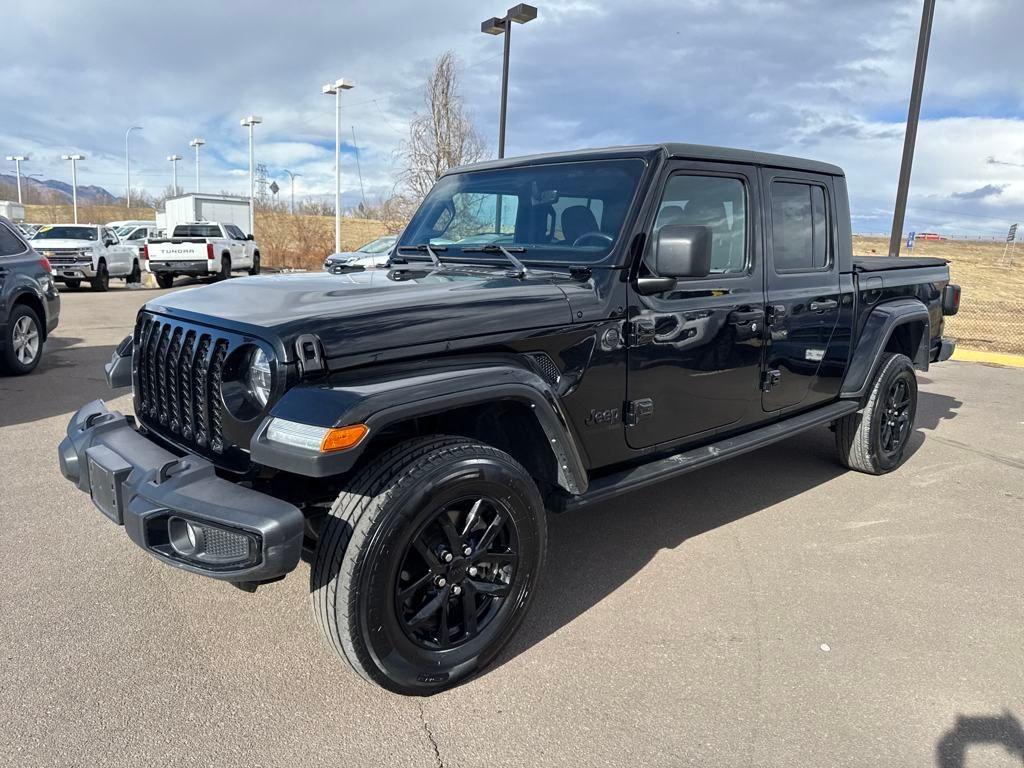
[(553, 331)]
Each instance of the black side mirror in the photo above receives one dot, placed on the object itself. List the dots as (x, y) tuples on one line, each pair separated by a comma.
[(249, 237), (108, 242), (680, 251)]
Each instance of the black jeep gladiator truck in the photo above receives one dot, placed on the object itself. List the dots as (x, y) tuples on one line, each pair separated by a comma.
[(553, 331)]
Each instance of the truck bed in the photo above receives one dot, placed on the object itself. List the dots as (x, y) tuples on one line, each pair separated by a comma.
[(883, 263)]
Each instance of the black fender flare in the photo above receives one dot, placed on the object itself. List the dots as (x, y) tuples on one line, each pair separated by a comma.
[(881, 322), (384, 400)]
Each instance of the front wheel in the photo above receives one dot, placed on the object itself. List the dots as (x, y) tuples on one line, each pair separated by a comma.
[(102, 280), (72, 283), (135, 276), (874, 440), (427, 563)]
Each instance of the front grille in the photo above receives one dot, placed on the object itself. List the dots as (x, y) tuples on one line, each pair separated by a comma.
[(179, 370)]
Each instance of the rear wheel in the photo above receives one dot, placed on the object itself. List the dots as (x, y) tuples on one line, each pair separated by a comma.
[(23, 346), (874, 440), (102, 280), (427, 563), (225, 268), (164, 280), (255, 269)]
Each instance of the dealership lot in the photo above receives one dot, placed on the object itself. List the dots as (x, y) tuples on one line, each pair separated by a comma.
[(772, 610)]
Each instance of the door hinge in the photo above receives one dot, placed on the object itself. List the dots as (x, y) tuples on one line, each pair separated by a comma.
[(770, 378), (640, 331), (638, 410)]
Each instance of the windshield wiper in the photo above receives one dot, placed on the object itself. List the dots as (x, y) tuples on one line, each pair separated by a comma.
[(518, 268), (427, 249)]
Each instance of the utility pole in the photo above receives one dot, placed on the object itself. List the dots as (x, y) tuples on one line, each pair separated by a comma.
[(174, 173), (18, 159), (128, 167), (910, 138), (74, 180), (292, 176), (197, 143)]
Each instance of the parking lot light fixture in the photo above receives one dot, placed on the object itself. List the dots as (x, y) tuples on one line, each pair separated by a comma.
[(292, 176), (174, 173), (520, 14), (249, 122), (74, 180), (18, 160), (197, 143), (128, 167), (335, 89)]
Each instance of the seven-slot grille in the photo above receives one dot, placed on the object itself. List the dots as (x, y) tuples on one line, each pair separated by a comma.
[(180, 369)]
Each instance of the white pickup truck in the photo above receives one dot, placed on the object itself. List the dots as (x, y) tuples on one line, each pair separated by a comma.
[(80, 252), (200, 249)]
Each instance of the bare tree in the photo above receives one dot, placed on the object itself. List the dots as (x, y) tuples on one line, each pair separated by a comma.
[(443, 136)]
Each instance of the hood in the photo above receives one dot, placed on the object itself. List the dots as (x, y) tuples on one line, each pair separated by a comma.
[(373, 310), (55, 244)]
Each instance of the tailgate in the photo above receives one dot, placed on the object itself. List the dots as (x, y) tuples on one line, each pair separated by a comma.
[(178, 250)]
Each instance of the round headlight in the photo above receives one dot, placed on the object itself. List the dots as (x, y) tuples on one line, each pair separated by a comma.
[(257, 377)]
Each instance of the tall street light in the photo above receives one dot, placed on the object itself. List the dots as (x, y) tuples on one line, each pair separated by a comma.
[(128, 166), (18, 159), (174, 173), (910, 137), (249, 122), (74, 180), (335, 89), (292, 177), (197, 143), (520, 14)]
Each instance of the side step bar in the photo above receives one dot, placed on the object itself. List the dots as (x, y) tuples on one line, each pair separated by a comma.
[(631, 479)]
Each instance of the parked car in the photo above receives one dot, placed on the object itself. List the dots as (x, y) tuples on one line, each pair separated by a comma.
[(29, 302), (136, 236), (200, 249), (371, 255), (660, 308), (80, 252)]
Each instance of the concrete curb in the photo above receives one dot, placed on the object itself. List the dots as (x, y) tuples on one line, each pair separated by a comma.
[(994, 358)]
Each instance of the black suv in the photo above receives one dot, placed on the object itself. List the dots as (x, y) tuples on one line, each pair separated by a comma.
[(29, 303), (553, 331)]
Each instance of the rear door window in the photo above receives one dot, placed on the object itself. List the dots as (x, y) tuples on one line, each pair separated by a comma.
[(800, 240)]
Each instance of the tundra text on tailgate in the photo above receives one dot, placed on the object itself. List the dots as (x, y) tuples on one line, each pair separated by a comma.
[(553, 331)]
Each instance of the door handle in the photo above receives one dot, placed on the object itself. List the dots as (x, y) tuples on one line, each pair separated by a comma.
[(742, 317), (824, 305)]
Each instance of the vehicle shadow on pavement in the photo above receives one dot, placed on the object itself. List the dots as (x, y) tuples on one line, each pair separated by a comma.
[(1004, 730), (594, 551), (68, 377)]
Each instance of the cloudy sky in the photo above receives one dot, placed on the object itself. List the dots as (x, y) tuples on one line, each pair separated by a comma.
[(819, 78)]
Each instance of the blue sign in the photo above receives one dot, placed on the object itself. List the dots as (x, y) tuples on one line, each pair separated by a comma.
[(910, 239)]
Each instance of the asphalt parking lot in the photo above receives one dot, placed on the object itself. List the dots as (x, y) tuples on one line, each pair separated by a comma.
[(770, 611)]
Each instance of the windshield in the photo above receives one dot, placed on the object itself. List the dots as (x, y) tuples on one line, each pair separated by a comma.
[(66, 233), (559, 212), (379, 245)]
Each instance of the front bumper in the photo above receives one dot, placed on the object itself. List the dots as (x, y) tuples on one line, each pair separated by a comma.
[(78, 270), (152, 492)]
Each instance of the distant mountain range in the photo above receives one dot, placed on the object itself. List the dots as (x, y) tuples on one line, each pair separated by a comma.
[(58, 191)]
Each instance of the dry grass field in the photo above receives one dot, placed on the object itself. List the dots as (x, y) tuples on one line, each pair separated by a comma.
[(991, 313)]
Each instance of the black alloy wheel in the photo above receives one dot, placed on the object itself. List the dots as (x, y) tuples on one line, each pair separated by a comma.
[(456, 573), (894, 418)]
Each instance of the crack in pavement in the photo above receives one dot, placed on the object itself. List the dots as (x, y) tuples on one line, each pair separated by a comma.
[(430, 736)]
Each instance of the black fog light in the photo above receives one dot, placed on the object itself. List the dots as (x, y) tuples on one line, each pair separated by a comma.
[(210, 544)]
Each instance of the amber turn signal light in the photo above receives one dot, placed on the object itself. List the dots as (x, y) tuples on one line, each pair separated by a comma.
[(342, 438)]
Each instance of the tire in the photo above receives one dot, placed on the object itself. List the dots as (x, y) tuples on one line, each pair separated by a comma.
[(255, 270), (135, 276), (164, 280), (874, 439), (225, 268), (101, 282), (23, 345), (370, 545), (73, 283)]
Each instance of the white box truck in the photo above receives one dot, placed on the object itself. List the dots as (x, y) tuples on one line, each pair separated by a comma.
[(13, 211), (188, 209)]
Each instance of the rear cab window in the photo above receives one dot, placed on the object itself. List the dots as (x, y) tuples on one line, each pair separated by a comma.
[(800, 227), (197, 230)]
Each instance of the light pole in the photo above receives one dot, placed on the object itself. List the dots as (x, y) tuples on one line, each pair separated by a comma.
[(292, 177), (17, 170), (74, 180), (335, 89), (197, 143), (128, 167), (174, 173), (249, 122), (910, 137), (520, 14)]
